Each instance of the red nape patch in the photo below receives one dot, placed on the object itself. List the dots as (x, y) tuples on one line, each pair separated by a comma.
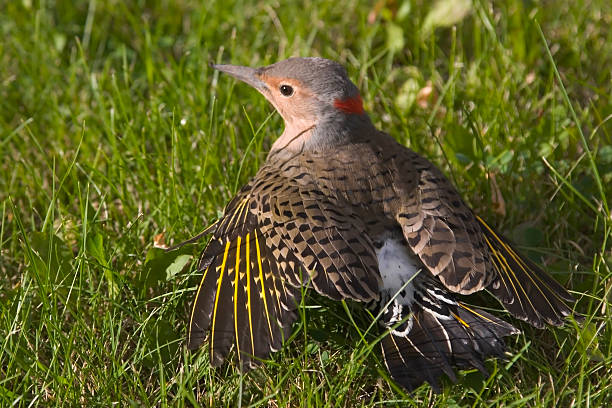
[(350, 105)]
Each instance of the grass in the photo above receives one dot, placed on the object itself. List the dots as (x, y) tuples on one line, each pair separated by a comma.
[(115, 134)]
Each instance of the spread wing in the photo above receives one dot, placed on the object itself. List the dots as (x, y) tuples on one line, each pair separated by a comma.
[(526, 291), (468, 255), (275, 237), (442, 230), (330, 242), (248, 294)]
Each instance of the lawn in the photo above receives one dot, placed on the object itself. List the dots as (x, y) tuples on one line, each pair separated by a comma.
[(116, 139)]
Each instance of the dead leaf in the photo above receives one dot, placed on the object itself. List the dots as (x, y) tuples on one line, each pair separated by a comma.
[(427, 96), (373, 14), (499, 204), (159, 241)]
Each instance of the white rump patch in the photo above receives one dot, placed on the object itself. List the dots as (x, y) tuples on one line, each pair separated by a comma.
[(397, 265)]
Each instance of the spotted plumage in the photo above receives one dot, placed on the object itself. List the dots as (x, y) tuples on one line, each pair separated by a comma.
[(343, 209)]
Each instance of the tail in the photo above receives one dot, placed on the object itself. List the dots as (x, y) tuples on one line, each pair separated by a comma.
[(435, 344), (524, 289)]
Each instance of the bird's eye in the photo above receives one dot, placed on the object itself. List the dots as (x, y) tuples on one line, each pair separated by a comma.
[(286, 90)]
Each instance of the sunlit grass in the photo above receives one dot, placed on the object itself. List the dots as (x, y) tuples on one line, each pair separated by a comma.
[(115, 135)]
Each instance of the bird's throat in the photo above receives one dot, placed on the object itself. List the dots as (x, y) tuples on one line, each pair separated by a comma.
[(295, 136), (328, 131)]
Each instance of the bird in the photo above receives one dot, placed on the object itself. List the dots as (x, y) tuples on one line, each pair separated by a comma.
[(342, 208)]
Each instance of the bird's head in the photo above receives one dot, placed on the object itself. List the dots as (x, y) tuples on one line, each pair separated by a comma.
[(320, 105)]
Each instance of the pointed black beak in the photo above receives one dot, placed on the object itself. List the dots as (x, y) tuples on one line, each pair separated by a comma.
[(245, 74)]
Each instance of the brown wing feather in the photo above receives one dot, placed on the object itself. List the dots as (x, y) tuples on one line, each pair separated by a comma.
[(247, 296), (524, 289), (276, 235), (442, 230), (467, 255), (332, 246)]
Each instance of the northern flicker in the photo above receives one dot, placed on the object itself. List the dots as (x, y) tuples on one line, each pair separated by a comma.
[(344, 209)]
